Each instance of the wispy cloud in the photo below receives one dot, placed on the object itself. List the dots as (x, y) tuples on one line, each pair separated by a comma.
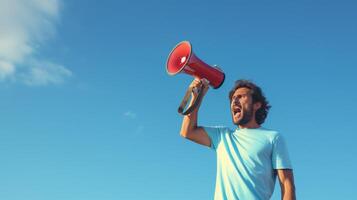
[(139, 129), (43, 73), (130, 114), (25, 26)]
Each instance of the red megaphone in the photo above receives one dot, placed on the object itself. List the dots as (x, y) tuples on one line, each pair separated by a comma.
[(182, 59)]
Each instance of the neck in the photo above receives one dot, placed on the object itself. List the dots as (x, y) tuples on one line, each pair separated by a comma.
[(250, 124)]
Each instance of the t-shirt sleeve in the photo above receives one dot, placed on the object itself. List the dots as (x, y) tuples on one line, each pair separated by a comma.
[(214, 133), (280, 155)]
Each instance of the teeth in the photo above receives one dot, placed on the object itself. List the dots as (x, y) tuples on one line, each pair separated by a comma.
[(236, 110)]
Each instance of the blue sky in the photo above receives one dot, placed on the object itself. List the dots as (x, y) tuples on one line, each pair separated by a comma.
[(88, 111)]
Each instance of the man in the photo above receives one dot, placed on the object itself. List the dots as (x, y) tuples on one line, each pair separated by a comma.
[(250, 157)]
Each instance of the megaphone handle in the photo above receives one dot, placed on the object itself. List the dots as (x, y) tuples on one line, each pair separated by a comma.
[(186, 98)]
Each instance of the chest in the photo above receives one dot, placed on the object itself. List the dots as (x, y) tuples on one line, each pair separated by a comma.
[(245, 149)]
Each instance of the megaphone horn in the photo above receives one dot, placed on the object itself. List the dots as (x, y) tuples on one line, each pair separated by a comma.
[(182, 59)]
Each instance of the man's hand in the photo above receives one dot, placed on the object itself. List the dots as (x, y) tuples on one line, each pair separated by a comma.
[(195, 85)]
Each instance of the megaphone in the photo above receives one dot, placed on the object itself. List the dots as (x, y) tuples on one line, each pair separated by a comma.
[(182, 59)]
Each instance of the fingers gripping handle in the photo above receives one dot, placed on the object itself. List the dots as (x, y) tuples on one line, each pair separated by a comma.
[(190, 90)]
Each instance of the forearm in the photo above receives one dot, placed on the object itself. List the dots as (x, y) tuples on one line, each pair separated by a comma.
[(288, 192), (189, 122)]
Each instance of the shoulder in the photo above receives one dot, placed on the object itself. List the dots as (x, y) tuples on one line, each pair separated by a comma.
[(271, 134), (225, 129), (220, 129)]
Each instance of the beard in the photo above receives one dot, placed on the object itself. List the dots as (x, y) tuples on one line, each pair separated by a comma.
[(247, 115)]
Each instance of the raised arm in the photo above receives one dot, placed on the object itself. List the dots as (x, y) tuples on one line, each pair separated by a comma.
[(189, 128)]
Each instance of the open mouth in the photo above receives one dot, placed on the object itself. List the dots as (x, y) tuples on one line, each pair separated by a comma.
[(237, 111)]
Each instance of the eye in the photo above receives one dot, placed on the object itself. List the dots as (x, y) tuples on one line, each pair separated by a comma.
[(237, 97)]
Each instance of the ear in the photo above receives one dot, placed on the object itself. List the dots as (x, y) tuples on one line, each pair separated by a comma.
[(257, 105)]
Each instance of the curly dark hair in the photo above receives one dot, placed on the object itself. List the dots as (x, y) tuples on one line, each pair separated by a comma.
[(257, 96)]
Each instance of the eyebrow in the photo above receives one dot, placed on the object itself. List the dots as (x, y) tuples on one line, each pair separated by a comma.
[(240, 94)]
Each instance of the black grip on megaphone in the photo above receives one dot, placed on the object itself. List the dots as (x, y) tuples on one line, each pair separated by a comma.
[(186, 98)]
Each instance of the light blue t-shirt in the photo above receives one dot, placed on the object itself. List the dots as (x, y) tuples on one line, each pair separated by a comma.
[(246, 159)]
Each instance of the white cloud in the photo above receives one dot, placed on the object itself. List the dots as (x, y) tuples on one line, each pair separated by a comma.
[(6, 69), (130, 114), (25, 25)]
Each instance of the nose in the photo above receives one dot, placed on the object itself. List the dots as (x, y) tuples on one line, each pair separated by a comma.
[(235, 101)]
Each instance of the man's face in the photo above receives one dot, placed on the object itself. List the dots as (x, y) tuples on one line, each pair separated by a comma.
[(242, 106)]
